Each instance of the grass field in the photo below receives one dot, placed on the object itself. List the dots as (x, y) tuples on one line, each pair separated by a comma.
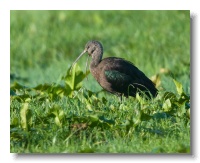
[(52, 111)]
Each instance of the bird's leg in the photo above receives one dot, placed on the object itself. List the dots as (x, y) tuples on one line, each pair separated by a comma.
[(120, 98)]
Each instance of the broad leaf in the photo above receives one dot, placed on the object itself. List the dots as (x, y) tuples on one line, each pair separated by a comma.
[(74, 78), (167, 105), (26, 116), (179, 87)]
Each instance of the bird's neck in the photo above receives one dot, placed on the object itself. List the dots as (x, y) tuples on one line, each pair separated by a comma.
[(94, 66), (96, 57)]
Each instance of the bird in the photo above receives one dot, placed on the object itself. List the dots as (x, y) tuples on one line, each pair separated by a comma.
[(117, 75)]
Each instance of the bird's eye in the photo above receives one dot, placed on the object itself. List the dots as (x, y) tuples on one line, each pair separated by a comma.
[(93, 49)]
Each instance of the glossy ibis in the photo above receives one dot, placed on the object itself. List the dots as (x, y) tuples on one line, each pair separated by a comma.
[(117, 75)]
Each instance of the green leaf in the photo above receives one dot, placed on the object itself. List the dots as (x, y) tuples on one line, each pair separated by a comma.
[(14, 121), (57, 121), (188, 113), (181, 110), (167, 105), (74, 78), (17, 86), (58, 112), (93, 118), (26, 116), (179, 87), (87, 149), (145, 117), (140, 99), (160, 115), (105, 120), (169, 95)]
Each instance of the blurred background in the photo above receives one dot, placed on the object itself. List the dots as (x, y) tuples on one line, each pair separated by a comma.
[(44, 44)]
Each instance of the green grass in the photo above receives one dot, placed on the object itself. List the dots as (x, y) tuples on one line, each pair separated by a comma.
[(49, 115)]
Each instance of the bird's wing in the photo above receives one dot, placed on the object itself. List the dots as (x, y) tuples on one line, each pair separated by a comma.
[(122, 70), (116, 76), (119, 81)]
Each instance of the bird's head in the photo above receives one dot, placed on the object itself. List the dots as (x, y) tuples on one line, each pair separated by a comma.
[(94, 50)]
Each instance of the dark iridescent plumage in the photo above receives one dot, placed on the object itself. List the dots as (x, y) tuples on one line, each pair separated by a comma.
[(117, 75)]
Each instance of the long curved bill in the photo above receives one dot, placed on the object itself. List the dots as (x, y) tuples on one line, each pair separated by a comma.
[(78, 58)]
